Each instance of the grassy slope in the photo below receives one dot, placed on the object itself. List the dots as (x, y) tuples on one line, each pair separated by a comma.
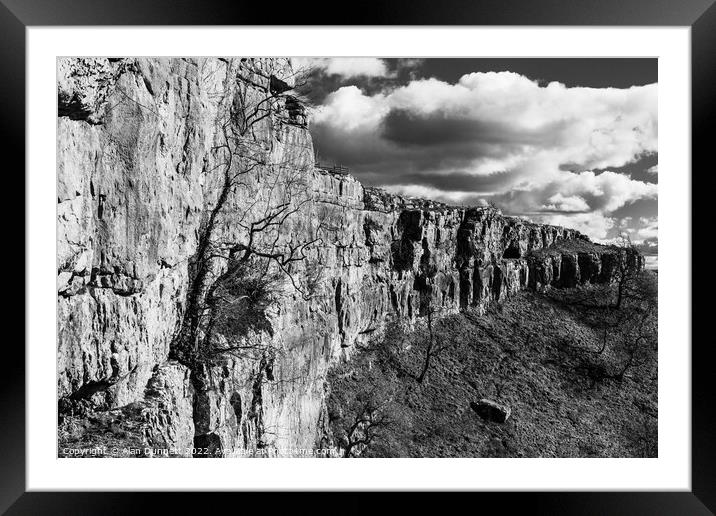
[(525, 354)]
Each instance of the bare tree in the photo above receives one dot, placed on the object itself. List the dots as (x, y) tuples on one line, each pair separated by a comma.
[(622, 311), (636, 337), (627, 324), (362, 409), (433, 348), (627, 272), (364, 429), (224, 278)]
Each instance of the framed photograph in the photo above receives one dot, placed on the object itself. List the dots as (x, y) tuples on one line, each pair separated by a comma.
[(438, 249)]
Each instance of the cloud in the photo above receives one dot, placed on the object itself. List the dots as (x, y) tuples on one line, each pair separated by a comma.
[(491, 122), (653, 170), (648, 232), (596, 226), (607, 191), (585, 201), (577, 192), (559, 202), (428, 192), (605, 228), (641, 231), (351, 111), (498, 135), (347, 67), (409, 66)]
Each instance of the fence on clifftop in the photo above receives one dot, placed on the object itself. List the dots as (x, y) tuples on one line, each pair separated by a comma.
[(333, 168)]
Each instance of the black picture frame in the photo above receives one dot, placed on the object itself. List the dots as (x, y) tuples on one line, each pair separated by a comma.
[(700, 15)]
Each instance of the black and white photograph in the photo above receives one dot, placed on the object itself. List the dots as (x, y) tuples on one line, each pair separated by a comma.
[(357, 257)]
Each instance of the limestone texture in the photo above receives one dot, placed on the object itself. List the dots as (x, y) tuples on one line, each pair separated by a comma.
[(141, 188)]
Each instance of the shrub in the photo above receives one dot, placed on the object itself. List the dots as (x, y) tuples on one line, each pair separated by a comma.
[(238, 305)]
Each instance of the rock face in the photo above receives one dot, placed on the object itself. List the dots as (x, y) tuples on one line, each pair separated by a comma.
[(143, 193)]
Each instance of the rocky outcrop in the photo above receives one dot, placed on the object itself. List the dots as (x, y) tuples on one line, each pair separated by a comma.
[(143, 197), (569, 264)]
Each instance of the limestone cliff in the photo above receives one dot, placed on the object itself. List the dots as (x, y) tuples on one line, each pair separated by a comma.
[(151, 219)]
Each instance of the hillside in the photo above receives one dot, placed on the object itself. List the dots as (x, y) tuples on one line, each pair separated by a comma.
[(530, 354)]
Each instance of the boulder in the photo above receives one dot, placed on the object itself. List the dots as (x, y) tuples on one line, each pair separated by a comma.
[(491, 410)]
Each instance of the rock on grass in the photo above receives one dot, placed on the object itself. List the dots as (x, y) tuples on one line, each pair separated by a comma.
[(491, 410)]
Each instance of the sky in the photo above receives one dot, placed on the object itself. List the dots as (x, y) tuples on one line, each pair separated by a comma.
[(571, 142)]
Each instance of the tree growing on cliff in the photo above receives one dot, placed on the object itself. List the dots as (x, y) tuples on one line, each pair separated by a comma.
[(235, 279)]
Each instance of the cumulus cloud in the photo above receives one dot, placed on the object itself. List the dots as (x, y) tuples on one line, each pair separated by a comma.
[(607, 191), (498, 135), (585, 201), (571, 203), (647, 232), (352, 111), (425, 192), (596, 226), (577, 192), (347, 67), (491, 122)]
